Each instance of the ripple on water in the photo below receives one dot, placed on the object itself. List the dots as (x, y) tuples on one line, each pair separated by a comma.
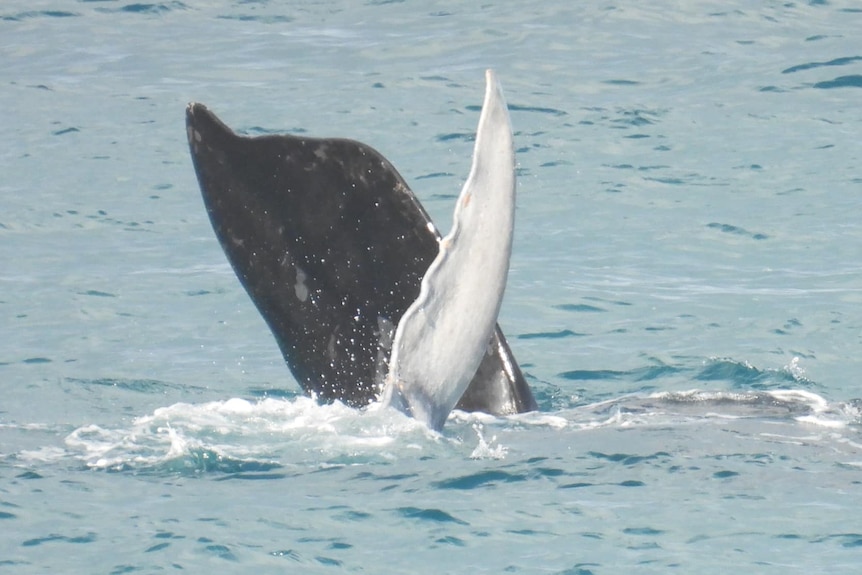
[(483, 478), (431, 515)]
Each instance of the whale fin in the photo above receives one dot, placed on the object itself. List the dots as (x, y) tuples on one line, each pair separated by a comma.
[(331, 245), (443, 336)]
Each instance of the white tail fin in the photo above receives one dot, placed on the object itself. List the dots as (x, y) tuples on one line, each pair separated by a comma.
[(443, 335)]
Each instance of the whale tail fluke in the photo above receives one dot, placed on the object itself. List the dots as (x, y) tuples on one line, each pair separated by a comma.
[(331, 245)]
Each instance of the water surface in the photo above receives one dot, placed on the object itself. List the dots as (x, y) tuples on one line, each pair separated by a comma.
[(687, 219)]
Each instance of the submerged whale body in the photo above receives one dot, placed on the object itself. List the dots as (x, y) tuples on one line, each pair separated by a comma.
[(333, 247)]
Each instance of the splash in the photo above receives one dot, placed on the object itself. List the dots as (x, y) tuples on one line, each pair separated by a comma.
[(241, 436), (274, 437), (487, 449)]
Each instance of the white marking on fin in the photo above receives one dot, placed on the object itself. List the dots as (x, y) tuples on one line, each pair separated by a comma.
[(443, 335), (299, 288)]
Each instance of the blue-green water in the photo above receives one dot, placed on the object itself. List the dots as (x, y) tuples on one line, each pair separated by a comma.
[(688, 219)]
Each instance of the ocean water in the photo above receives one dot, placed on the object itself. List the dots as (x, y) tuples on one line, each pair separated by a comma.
[(684, 294)]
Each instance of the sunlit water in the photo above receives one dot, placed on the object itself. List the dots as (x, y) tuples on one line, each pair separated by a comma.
[(684, 294)]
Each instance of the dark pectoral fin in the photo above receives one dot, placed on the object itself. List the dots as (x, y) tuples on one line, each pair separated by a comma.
[(499, 387)]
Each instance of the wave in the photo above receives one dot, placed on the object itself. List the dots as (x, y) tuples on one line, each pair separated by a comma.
[(269, 436), (277, 437)]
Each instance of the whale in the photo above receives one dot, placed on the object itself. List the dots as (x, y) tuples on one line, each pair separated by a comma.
[(365, 298)]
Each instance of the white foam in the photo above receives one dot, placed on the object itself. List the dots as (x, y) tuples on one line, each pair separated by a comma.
[(239, 430), (46, 454), (300, 432)]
